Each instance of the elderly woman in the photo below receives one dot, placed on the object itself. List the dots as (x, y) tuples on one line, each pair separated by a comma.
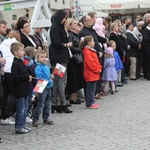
[(74, 70), (138, 32)]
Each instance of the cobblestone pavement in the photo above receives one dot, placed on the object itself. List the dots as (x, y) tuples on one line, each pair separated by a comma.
[(122, 122)]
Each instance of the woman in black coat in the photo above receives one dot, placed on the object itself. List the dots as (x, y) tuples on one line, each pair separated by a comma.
[(135, 45), (23, 27), (75, 79), (59, 53), (146, 41), (116, 36)]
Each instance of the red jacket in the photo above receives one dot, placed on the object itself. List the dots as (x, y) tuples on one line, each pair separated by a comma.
[(92, 65)]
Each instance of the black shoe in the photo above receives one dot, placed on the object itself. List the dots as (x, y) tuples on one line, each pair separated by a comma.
[(120, 84), (58, 109), (35, 124), (22, 131), (133, 79), (65, 109), (75, 102), (1, 141), (113, 92), (27, 128), (81, 100), (50, 122)]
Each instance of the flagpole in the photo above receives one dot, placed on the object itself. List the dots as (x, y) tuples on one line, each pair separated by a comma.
[(35, 78)]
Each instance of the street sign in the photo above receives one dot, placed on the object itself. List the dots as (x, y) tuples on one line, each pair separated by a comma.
[(7, 7)]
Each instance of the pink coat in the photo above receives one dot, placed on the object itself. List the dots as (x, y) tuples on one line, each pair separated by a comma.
[(99, 27)]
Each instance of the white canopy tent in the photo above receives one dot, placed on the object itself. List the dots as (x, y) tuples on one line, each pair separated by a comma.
[(122, 6)]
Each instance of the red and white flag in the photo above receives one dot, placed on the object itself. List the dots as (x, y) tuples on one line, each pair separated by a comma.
[(59, 70), (40, 86)]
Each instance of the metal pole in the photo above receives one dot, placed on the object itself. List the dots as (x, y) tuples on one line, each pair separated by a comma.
[(76, 10)]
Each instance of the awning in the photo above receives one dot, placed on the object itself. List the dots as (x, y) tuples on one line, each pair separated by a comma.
[(119, 6)]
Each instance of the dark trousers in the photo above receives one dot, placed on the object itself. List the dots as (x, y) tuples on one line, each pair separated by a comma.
[(8, 101), (1, 93), (139, 63), (145, 58), (126, 63), (148, 65)]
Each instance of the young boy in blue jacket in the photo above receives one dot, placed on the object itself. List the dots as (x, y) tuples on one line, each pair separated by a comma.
[(44, 99)]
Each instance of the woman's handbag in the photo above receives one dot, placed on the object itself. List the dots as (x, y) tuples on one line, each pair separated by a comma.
[(78, 58)]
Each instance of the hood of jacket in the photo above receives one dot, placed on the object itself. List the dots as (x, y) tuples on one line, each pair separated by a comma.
[(99, 24), (7, 42), (58, 16)]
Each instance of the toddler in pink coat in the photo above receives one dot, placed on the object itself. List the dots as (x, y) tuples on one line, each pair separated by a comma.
[(100, 30)]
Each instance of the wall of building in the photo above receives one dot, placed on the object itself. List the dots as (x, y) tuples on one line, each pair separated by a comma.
[(9, 16), (86, 6)]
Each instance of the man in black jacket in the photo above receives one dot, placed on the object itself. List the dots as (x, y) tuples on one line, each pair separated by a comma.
[(86, 31), (135, 45)]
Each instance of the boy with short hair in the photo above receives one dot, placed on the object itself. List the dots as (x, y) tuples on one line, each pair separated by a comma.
[(44, 99), (20, 80)]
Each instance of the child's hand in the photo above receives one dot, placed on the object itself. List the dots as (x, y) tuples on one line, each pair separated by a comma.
[(39, 48), (30, 78), (2, 61), (52, 76), (69, 44)]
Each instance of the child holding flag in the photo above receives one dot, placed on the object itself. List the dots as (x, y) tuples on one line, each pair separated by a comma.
[(42, 73)]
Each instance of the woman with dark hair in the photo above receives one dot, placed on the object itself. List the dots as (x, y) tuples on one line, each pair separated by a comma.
[(23, 27), (59, 53), (146, 41)]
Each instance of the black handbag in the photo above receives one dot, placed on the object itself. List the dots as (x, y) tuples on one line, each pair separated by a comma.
[(78, 58)]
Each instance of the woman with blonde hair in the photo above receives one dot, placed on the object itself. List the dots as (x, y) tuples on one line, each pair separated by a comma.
[(74, 69), (121, 46)]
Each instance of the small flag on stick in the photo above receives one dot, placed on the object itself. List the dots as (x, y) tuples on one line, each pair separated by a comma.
[(40, 86), (59, 70)]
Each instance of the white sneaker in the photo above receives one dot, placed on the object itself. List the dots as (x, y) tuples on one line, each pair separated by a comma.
[(11, 118), (28, 119), (7, 122)]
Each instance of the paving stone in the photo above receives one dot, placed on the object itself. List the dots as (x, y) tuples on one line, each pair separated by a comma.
[(122, 122)]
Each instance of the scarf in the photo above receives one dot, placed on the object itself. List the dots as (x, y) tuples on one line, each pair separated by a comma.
[(148, 27), (133, 34)]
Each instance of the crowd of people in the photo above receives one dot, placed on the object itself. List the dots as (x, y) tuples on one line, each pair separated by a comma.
[(98, 54)]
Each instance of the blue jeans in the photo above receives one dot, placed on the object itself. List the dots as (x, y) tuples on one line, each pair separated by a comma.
[(43, 104), (21, 113), (90, 92)]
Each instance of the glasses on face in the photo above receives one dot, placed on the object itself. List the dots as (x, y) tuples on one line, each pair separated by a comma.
[(88, 20)]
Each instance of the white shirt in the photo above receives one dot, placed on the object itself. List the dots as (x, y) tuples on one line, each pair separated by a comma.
[(7, 55)]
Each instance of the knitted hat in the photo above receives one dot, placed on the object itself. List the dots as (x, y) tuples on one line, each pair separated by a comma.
[(109, 50)]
